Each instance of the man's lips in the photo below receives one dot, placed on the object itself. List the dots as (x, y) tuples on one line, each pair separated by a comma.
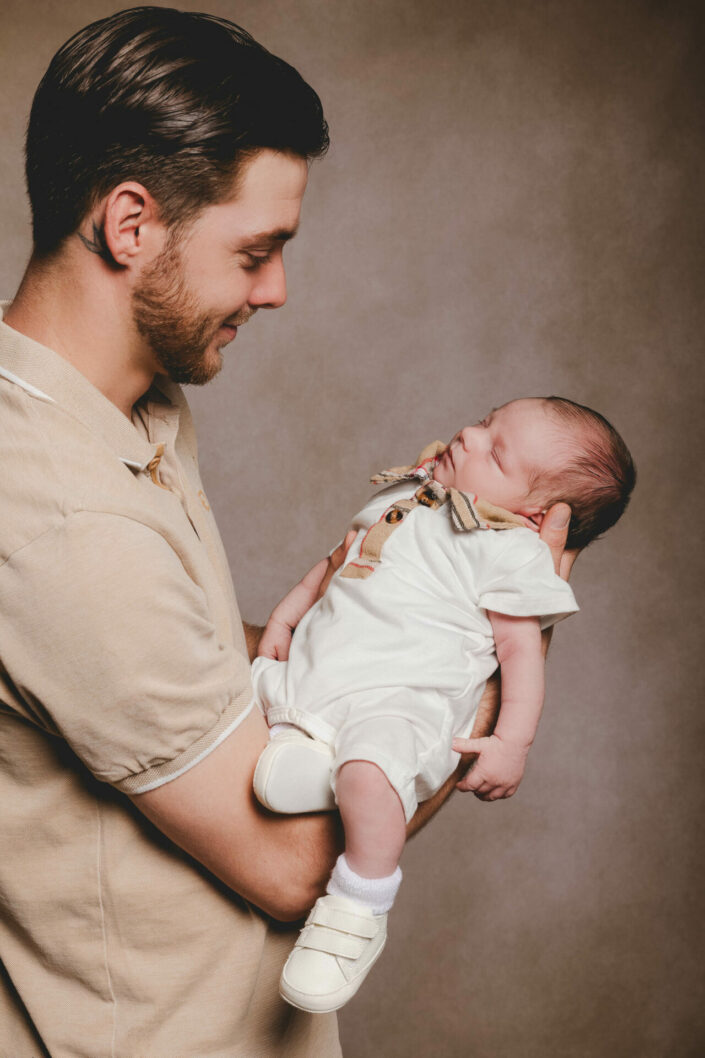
[(232, 325)]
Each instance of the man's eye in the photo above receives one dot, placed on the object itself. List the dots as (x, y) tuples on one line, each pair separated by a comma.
[(496, 458), (256, 260)]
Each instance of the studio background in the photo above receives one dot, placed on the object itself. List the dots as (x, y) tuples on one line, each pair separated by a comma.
[(512, 205)]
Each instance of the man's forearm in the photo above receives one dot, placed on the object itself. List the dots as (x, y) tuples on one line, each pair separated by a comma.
[(253, 634), (278, 862)]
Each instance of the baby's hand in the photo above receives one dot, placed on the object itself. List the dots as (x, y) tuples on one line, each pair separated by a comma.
[(498, 769)]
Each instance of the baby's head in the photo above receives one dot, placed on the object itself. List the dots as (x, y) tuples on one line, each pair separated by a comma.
[(532, 453)]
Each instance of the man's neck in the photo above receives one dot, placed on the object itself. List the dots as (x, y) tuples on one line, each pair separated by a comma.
[(82, 313)]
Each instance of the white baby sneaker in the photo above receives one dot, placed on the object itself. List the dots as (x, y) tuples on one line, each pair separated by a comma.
[(336, 949), (293, 775)]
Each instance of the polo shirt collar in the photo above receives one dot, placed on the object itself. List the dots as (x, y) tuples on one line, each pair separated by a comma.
[(48, 376)]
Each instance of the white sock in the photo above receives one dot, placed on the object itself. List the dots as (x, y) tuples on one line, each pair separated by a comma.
[(376, 893), (281, 729)]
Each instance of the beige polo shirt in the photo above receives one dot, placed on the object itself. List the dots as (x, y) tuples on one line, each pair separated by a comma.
[(122, 664)]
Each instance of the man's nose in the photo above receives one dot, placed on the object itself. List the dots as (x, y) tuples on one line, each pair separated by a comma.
[(269, 289)]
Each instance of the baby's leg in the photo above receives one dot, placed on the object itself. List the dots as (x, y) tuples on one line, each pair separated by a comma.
[(373, 817), (346, 931)]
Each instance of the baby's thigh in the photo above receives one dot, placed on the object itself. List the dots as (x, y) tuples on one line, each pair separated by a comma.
[(404, 732)]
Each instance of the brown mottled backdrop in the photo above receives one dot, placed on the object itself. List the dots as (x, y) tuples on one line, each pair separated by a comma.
[(512, 205)]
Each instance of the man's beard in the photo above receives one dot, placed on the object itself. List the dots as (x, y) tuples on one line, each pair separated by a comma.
[(168, 316)]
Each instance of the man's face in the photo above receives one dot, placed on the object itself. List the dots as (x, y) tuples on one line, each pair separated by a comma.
[(498, 458), (189, 302)]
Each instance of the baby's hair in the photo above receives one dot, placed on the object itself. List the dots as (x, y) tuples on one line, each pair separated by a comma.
[(598, 477)]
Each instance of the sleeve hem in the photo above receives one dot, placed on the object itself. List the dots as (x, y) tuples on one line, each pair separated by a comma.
[(161, 774), (536, 606)]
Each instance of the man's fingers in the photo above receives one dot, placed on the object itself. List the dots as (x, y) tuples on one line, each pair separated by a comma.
[(338, 556), (336, 560), (567, 560), (554, 531)]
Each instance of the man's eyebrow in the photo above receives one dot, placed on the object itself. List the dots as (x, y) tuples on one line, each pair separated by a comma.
[(258, 238)]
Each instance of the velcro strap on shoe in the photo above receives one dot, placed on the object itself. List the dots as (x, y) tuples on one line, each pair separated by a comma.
[(330, 941), (343, 921)]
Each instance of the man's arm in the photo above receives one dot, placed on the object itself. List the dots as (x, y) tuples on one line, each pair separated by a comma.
[(280, 863), (253, 635)]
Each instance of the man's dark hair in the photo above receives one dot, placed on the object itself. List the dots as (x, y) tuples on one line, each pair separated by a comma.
[(597, 477), (172, 99)]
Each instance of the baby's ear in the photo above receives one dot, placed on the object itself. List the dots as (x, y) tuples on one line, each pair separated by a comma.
[(533, 517)]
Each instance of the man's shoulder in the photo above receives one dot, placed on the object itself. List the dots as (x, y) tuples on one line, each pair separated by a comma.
[(51, 466)]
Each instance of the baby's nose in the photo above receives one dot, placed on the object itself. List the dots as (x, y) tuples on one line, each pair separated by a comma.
[(468, 435)]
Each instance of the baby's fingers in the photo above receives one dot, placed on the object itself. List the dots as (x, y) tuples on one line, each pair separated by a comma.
[(474, 781), (467, 784), (469, 745), (482, 788)]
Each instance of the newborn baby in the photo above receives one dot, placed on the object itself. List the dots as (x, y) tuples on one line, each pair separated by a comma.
[(446, 579)]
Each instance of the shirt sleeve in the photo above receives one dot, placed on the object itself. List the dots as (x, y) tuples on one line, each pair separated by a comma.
[(109, 641), (520, 579)]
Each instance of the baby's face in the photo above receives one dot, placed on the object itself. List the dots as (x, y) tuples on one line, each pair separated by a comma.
[(497, 458)]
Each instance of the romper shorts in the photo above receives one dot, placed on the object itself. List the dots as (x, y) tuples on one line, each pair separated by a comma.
[(407, 732)]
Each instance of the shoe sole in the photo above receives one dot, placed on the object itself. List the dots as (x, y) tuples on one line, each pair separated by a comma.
[(339, 998), (294, 778)]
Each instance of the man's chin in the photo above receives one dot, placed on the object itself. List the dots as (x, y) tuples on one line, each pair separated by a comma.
[(208, 368), (199, 373)]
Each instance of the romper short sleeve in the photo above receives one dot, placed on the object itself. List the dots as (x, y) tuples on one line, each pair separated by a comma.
[(519, 579), (109, 642)]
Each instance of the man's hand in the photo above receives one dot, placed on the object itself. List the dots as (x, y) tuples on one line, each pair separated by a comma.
[(336, 560), (554, 532)]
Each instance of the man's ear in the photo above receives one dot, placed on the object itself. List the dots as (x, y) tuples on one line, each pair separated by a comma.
[(533, 517), (131, 224)]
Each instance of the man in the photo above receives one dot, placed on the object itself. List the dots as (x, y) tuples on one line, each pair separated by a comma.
[(167, 156)]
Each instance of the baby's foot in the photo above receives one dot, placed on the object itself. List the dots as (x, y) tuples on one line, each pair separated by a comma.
[(293, 774), (336, 949)]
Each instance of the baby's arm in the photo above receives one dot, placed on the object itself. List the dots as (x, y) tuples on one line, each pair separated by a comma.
[(285, 616), (499, 767)]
